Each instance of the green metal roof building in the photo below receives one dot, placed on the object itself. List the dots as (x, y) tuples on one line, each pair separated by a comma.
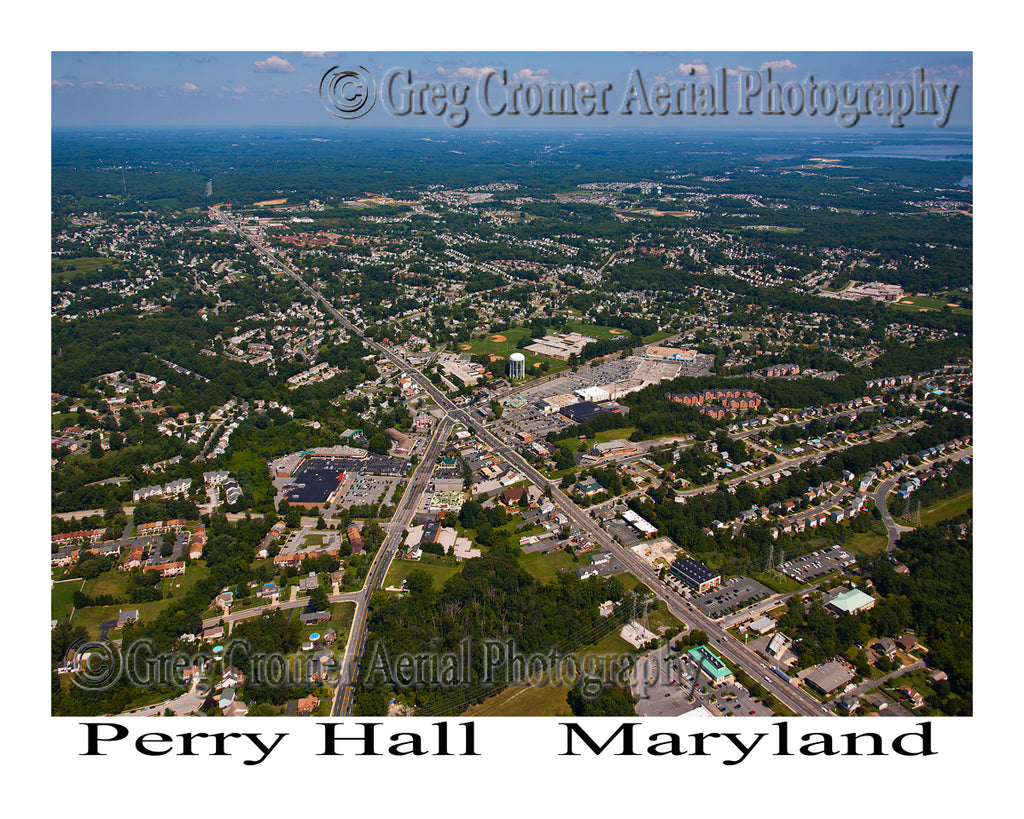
[(710, 662), (851, 602)]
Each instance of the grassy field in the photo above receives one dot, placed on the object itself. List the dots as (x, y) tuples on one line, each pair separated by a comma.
[(661, 335), (947, 509), (109, 583), (112, 582), (866, 543), (781, 584), (545, 700), (439, 572), (81, 264), (595, 330), (546, 567), (90, 618), (61, 595), (602, 437), (918, 303), (504, 348), (661, 618), (62, 419)]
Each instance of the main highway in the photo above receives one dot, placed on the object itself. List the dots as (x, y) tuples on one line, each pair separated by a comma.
[(724, 643)]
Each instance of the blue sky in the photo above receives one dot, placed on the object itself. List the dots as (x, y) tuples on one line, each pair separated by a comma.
[(281, 88)]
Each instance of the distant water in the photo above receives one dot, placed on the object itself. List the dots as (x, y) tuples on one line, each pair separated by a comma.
[(962, 151)]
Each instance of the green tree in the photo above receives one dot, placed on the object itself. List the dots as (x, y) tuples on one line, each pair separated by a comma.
[(318, 600)]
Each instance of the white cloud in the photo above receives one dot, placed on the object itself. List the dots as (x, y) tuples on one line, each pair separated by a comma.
[(778, 65), (189, 87), (114, 85), (319, 54), (952, 72), (693, 68), (60, 83), (273, 65), (464, 72), (529, 75)]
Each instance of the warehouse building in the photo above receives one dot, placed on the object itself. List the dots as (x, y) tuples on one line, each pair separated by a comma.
[(827, 678), (696, 575), (644, 528)]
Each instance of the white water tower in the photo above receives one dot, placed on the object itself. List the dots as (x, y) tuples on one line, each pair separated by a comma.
[(517, 366)]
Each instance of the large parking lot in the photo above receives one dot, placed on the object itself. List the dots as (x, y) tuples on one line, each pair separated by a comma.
[(816, 564), (531, 421), (738, 592), (363, 489), (623, 533), (663, 686)]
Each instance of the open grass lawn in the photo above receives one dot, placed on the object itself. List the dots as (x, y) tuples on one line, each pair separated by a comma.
[(172, 587), (918, 303), (546, 567), (661, 335), (177, 586), (81, 264), (62, 419), (947, 509), (661, 618), (112, 582), (90, 618), (628, 581), (488, 346), (607, 435), (61, 598), (602, 437), (866, 543), (595, 330), (522, 701), (439, 571), (547, 700), (341, 616), (781, 584)]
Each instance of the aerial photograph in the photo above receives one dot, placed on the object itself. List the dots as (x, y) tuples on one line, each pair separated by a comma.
[(511, 384)]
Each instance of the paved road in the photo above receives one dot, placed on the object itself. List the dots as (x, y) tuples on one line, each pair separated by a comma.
[(730, 648), (379, 569), (881, 495), (863, 688)]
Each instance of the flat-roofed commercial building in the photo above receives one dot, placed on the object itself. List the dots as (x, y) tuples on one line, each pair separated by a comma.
[(696, 575), (828, 677), (616, 447), (669, 354), (642, 526)]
